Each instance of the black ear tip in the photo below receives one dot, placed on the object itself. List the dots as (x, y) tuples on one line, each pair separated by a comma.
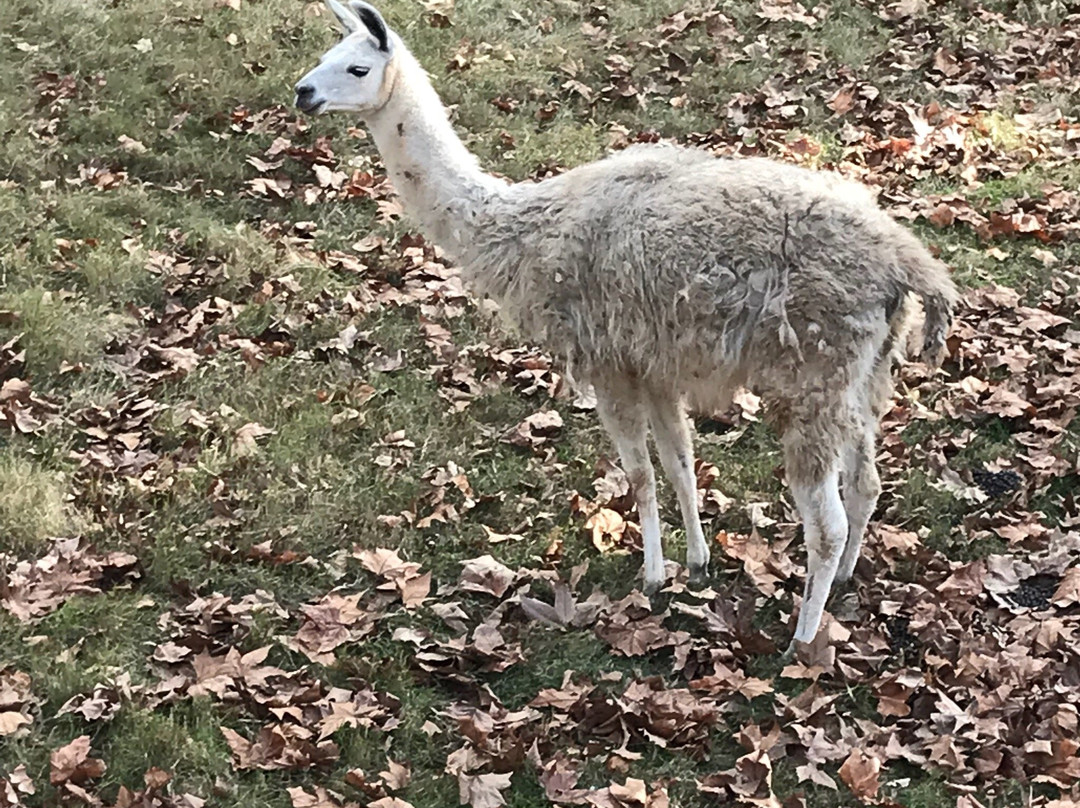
[(375, 24)]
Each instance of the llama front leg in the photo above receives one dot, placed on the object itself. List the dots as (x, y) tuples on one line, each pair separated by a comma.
[(815, 485), (674, 443), (862, 487), (623, 415)]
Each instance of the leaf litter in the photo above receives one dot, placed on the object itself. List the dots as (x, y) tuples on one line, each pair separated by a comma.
[(970, 663)]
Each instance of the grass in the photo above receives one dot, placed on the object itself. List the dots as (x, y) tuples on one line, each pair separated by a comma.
[(73, 265)]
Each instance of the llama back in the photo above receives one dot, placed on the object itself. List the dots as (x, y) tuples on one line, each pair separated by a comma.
[(669, 261), (906, 266)]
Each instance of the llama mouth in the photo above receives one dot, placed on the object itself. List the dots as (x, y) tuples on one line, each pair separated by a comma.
[(309, 108)]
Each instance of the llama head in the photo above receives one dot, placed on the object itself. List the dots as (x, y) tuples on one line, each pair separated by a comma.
[(352, 76)]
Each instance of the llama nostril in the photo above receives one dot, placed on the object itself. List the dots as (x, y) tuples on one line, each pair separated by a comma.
[(305, 98)]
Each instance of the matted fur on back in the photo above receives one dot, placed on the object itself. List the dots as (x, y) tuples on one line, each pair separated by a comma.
[(667, 262)]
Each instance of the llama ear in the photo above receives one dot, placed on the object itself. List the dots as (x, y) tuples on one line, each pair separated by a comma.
[(373, 21), (349, 21)]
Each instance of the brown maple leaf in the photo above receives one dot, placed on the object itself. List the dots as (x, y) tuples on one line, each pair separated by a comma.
[(16, 783), (15, 697), (536, 430), (485, 574), (279, 746), (860, 773), (403, 576), (333, 621), (321, 798), (245, 441), (73, 764), (103, 703), (1068, 591), (396, 776), (483, 790)]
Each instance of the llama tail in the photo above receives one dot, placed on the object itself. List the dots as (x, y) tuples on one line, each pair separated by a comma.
[(929, 280)]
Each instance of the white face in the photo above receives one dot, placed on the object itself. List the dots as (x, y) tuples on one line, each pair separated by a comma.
[(349, 76)]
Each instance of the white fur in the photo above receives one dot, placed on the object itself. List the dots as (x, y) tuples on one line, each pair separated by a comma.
[(667, 278)]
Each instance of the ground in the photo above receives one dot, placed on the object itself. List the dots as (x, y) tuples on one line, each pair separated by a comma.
[(268, 474)]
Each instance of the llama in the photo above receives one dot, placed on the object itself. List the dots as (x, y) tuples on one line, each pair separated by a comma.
[(668, 278)]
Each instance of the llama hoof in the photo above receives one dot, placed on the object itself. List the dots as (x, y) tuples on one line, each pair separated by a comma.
[(699, 574), (789, 653), (650, 588)]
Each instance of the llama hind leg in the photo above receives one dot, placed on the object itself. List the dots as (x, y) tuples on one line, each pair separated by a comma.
[(675, 445), (814, 476), (623, 416), (862, 487)]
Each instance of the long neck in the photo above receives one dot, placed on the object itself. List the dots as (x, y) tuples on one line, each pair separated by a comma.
[(437, 177)]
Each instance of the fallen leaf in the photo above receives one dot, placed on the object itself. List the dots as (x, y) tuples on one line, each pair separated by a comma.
[(483, 790), (485, 574), (860, 773), (245, 441), (73, 764)]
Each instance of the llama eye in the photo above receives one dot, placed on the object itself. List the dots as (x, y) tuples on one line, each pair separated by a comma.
[(358, 71)]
